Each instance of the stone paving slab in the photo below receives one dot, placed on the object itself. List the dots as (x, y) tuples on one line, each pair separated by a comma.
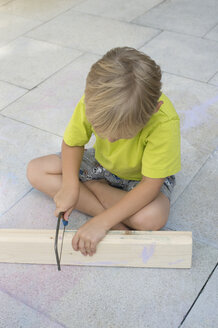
[(196, 208), (50, 105), (15, 313), (9, 93), (125, 10), (194, 17), (12, 26), (214, 80), (38, 9), (26, 62), (185, 55), (212, 34), (19, 144), (204, 313), (101, 35)]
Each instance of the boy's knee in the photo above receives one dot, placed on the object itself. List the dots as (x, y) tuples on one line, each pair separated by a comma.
[(149, 218), (32, 171)]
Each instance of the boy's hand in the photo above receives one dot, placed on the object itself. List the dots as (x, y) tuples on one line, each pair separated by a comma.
[(88, 236), (65, 200)]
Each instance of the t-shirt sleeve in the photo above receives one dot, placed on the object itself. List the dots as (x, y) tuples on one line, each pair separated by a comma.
[(79, 130), (162, 154)]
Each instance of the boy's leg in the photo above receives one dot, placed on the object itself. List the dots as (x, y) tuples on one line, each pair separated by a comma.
[(152, 217), (44, 174)]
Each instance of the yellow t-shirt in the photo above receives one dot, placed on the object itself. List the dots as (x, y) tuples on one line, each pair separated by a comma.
[(154, 152)]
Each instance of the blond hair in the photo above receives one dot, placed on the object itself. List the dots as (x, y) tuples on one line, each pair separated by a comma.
[(121, 93)]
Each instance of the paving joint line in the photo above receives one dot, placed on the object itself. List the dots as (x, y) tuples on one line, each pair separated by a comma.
[(15, 85), (208, 156), (188, 184), (35, 127), (173, 31), (197, 296), (144, 44), (212, 76), (3, 213), (31, 307), (36, 86), (35, 27), (185, 77), (146, 11), (203, 36)]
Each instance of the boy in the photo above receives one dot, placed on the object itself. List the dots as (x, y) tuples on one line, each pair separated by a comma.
[(126, 180)]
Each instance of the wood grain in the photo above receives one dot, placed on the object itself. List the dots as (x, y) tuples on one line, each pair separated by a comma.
[(154, 249)]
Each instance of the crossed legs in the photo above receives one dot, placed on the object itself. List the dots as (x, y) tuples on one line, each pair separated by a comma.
[(45, 174)]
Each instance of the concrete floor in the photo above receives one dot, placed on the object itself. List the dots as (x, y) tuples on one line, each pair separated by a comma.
[(46, 50)]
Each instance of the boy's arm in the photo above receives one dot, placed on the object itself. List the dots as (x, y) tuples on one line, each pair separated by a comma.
[(71, 161), (134, 200)]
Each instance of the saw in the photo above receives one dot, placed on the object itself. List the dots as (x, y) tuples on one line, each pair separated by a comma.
[(65, 223)]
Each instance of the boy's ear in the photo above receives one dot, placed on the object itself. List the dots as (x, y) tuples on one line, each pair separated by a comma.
[(158, 106)]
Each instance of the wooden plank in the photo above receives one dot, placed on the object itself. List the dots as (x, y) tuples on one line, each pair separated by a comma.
[(157, 249)]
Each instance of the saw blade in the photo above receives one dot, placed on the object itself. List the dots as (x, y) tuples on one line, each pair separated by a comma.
[(62, 242)]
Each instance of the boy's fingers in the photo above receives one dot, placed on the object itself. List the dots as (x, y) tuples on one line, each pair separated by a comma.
[(75, 242), (87, 246), (67, 214), (57, 211), (82, 246)]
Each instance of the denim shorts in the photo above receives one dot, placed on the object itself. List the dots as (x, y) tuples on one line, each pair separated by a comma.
[(90, 169)]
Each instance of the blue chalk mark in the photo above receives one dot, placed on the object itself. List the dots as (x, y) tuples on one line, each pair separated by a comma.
[(198, 114), (147, 253)]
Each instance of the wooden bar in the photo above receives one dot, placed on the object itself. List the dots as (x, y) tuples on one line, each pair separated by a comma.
[(149, 249)]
